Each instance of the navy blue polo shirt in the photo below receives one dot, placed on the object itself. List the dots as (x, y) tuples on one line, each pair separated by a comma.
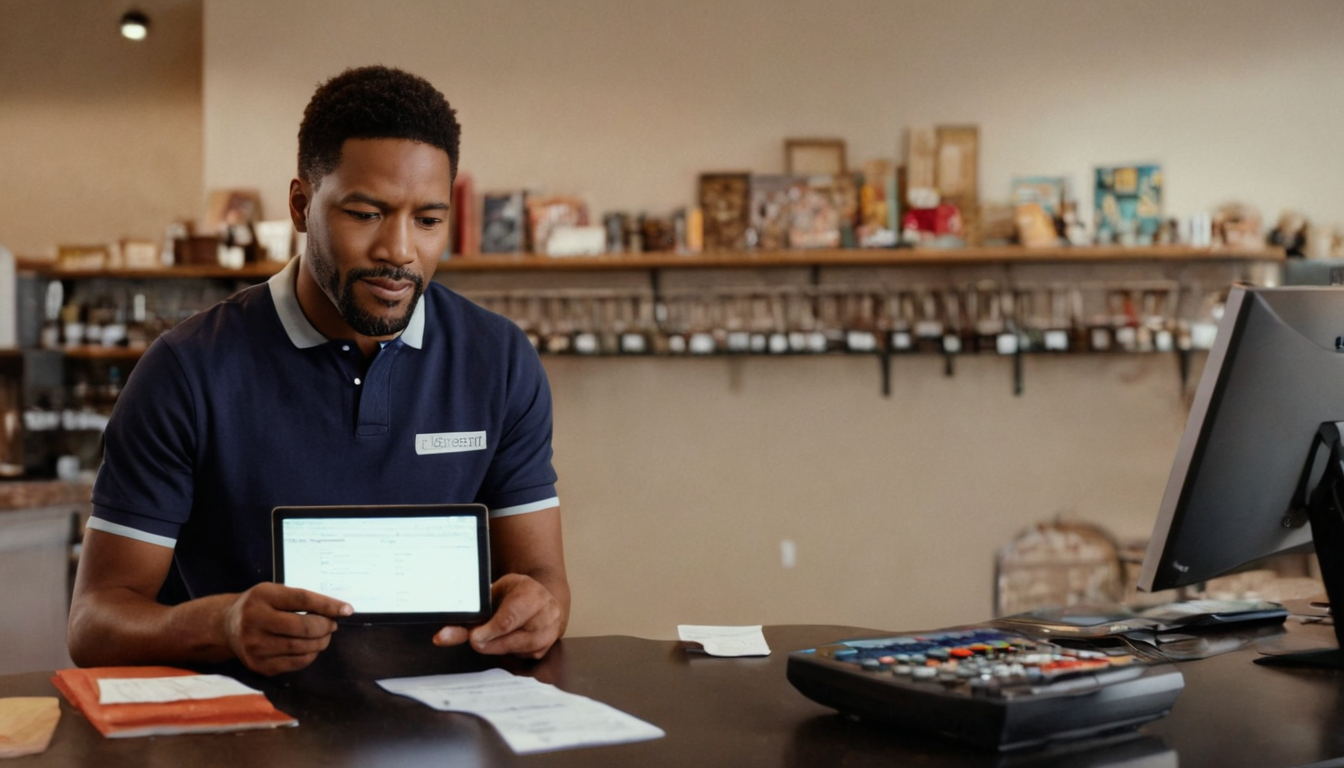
[(246, 407)]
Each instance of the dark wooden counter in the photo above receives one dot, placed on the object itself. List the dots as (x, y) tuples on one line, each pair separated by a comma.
[(716, 712)]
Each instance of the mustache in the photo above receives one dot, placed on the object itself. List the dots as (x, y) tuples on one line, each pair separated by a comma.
[(385, 274)]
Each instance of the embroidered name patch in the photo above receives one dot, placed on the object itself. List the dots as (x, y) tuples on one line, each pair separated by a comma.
[(449, 442)]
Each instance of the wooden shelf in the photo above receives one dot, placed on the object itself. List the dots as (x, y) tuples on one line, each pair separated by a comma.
[(724, 260), (854, 257), (256, 271), (89, 352)]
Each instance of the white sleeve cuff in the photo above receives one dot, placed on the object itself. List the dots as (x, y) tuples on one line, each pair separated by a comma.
[(99, 524), (523, 509)]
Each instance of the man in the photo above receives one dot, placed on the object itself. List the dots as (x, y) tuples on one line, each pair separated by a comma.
[(319, 387)]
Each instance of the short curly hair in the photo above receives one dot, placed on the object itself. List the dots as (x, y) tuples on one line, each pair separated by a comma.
[(373, 103)]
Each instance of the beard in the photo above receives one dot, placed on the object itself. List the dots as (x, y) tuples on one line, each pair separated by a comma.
[(341, 290)]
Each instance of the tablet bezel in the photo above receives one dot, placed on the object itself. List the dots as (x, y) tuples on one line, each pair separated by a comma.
[(476, 511)]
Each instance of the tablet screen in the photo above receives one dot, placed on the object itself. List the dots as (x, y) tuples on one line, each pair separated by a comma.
[(391, 563)]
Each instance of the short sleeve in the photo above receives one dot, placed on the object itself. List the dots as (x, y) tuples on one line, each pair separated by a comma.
[(520, 478), (144, 486)]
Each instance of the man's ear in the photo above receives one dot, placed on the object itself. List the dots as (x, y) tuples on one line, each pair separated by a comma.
[(300, 196)]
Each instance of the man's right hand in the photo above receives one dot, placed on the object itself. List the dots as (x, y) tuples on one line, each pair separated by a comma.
[(273, 628)]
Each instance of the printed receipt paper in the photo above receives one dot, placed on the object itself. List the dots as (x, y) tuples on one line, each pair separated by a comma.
[(725, 641), (531, 716), (153, 690)]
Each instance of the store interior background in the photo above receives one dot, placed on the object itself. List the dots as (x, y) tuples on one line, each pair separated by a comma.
[(680, 478)]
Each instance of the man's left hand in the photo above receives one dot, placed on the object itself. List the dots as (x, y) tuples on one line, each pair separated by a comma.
[(527, 621)]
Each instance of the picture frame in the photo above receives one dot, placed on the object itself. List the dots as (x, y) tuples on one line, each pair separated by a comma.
[(1128, 204), (814, 157), (725, 199)]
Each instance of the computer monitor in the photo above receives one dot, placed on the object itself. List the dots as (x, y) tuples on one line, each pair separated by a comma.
[(1258, 470)]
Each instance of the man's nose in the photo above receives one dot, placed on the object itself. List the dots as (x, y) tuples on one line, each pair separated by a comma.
[(395, 243)]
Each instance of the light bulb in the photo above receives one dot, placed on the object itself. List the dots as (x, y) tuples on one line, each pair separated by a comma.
[(134, 25)]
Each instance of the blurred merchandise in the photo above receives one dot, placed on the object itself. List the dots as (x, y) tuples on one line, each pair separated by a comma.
[(1290, 234), (1035, 226), (576, 241), (1128, 204), (466, 240), (82, 257), (725, 200), (930, 222), (878, 218), (1237, 225), (140, 254), (659, 233), (11, 410), (276, 239), (773, 198), (545, 214), (503, 222)]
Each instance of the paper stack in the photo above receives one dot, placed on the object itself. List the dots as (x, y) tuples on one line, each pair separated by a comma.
[(146, 701)]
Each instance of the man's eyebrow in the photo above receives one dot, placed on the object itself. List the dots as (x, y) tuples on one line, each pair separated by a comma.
[(360, 197)]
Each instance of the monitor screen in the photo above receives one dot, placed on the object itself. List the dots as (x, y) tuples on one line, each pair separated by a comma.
[(1274, 375)]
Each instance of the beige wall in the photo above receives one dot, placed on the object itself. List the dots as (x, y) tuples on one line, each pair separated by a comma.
[(625, 101), (680, 478), (100, 138)]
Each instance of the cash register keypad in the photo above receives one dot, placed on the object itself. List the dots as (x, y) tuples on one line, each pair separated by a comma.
[(978, 661)]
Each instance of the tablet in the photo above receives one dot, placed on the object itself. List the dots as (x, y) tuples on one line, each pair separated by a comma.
[(394, 564)]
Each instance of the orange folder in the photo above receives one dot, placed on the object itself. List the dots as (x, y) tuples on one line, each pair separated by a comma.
[(226, 713)]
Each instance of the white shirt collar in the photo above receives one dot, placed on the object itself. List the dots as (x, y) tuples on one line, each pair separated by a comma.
[(302, 333)]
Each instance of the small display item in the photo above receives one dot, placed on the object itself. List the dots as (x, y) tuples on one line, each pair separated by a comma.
[(990, 687), (394, 564), (772, 201), (503, 222), (725, 200), (1128, 204)]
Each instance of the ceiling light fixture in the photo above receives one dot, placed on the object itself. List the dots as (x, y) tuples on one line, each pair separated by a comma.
[(134, 25)]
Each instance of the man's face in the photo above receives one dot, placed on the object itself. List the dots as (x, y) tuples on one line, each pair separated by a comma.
[(377, 226)]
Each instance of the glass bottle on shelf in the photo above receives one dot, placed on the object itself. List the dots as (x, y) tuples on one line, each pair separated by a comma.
[(955, 325), (760, 323), (641, 334), (829, 321), (1124, 319), (1059, 334), (587, 319), (929, 325), (778, 340), (1010, 338), (700, 340), (52, 304), (676, 325), (984, 309), (560, 340), (735, 309), (860, 321), (900, 315), (1094, 320)]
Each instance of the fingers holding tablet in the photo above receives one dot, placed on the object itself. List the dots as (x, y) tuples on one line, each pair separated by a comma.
[(526, 622), (266, 632)]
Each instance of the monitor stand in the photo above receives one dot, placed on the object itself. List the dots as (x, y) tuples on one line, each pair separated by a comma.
[(1325, 512)]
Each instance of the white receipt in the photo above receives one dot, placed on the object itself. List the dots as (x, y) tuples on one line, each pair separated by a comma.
[(726, 641), (531, 716), (145, 690)]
